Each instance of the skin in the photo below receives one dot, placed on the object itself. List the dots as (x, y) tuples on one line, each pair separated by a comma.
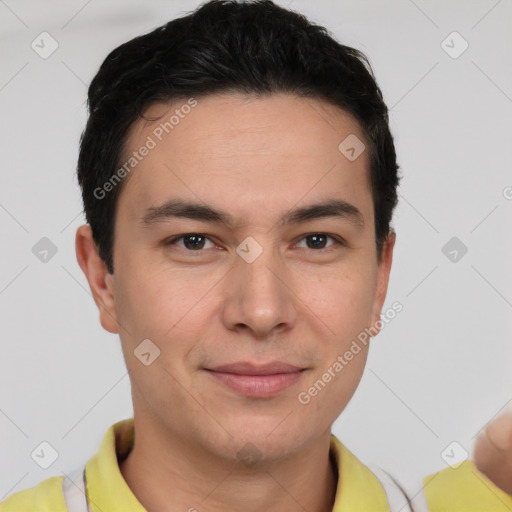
[(256, 158), (493, 451)]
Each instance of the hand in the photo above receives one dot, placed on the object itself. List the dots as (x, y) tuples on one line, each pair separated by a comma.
[(493, 451)]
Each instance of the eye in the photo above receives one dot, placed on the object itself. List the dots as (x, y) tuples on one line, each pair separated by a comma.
[(197, 242), (319, 240), (194, 242)]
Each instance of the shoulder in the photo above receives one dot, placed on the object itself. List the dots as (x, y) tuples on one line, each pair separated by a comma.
[(464, 488), (47, 496)]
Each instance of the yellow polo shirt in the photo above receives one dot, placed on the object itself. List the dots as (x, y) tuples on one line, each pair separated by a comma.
[(464, 489)]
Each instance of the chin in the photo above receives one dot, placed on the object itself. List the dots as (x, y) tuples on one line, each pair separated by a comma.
[(270, 437)]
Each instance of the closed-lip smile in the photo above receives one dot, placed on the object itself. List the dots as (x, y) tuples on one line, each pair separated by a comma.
[(257, 380)]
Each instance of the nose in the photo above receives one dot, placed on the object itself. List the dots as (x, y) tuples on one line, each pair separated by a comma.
[(259, 297)]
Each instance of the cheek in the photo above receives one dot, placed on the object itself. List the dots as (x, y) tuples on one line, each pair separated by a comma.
[(343, 299), (346, 305), (333, 384), (161, 305)]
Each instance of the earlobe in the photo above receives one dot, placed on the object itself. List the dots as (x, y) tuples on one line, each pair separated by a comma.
[(100, 281), (383, 273)]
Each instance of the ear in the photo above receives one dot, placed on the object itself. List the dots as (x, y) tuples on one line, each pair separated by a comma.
[(383, 279), (100, 281)]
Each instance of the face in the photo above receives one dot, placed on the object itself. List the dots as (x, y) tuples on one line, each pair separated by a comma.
[(250, 297)]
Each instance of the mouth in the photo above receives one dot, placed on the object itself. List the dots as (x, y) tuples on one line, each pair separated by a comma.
[(259, 381)]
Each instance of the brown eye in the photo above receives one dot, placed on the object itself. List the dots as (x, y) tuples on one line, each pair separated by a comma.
[(191, 241), (319, 241)]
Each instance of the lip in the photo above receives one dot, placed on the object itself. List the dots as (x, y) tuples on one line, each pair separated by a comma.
[(258, 381), (247, 368)]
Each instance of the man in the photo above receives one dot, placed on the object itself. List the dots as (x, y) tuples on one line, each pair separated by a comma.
[(239, 179)]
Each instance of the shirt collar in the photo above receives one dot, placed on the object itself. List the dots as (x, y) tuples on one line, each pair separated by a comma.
[(357, 487), (106, 487)]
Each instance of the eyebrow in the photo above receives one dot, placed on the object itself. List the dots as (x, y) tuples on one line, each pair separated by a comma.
[(176, 208)]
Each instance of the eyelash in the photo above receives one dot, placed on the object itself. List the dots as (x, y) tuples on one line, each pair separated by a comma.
[(337, 241)]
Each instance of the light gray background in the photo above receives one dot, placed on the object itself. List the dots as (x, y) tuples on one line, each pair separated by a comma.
[(436, 374)]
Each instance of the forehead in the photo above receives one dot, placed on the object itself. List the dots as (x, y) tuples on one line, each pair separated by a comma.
[(255, 150)]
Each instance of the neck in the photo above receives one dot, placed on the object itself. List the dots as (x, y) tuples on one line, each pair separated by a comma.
[(172, 476)]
